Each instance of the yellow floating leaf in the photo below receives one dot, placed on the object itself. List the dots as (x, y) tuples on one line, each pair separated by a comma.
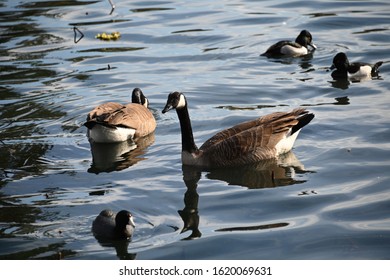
[(113, 36)]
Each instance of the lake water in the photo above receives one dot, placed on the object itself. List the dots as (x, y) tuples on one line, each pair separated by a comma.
[(329, 199)]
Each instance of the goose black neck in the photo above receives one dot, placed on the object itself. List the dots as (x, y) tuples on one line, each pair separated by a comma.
[(187, 138)]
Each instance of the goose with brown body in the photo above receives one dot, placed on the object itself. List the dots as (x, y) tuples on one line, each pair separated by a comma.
[(264, 138), (113, 122)]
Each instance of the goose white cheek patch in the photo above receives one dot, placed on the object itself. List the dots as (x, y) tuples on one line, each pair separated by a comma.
[(182, 102)]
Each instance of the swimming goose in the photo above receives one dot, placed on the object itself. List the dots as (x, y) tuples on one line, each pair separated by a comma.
[(248, 142), (289, 48), (111, 226), (345, 69), (113, 122)]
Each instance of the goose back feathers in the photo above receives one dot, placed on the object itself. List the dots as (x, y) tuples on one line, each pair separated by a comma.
[(248, 142), (114, 122)]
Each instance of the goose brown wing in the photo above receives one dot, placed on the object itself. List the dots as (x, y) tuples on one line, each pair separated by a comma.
[(103, 109), (134, 116), (250, 141), (241, 127)]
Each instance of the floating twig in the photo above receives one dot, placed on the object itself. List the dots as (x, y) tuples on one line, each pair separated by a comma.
[(75, 30), (112, 6)]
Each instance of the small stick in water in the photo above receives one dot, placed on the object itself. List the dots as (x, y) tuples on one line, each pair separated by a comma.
[(112, 6), (75, 30)]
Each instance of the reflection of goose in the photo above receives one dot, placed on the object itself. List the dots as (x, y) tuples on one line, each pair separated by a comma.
[(265, 174), (264, 138), (289, 48), (189, 214), (113, 122), (111, 226), (108, 157), (355, 71)]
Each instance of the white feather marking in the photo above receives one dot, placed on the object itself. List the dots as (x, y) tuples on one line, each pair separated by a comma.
[(146, 104), (364, 71), (291, 50), (182, 102), (285, 145), (103, 134)]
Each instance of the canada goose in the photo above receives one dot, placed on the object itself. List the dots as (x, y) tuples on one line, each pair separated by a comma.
[(248, 142), (289, 48), (345, 69), (113, 122), (111, 226)]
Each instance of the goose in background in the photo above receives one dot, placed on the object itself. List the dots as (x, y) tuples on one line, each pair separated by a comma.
[(354, 70), (111, 226), (113, 122), (289, 48), (264, 138)]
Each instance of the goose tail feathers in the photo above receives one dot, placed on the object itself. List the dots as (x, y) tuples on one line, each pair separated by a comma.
[(303, 119)]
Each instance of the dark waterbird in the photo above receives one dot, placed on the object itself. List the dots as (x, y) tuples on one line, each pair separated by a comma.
[(111, 226), (354, 70), (289, 48)]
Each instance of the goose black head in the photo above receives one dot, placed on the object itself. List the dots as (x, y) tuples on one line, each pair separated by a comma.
[(176, 100), (138, 97)]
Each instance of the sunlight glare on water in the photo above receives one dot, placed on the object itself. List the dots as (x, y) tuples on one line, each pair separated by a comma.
[(327, 199)]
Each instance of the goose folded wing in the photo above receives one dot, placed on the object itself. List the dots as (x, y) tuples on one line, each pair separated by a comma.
[(103, 109), (242, 127), (133, 116)]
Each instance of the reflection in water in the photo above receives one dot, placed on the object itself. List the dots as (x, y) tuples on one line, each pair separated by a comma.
[(47, 81), (303, 61), (19, 120), (259, 227), (143, 10), (341, 81), (121, 248), (20, 160), (344, 100), (25, 232), (34, 250), (189, 214), (108, 157), (264, 174)]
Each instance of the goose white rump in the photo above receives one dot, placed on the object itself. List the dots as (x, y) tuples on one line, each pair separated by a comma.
[(104, 134)]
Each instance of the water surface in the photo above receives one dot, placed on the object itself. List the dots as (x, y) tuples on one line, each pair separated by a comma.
[(328, 199)]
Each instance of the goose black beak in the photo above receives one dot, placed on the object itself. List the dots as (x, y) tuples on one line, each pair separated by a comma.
[(167, 108)]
